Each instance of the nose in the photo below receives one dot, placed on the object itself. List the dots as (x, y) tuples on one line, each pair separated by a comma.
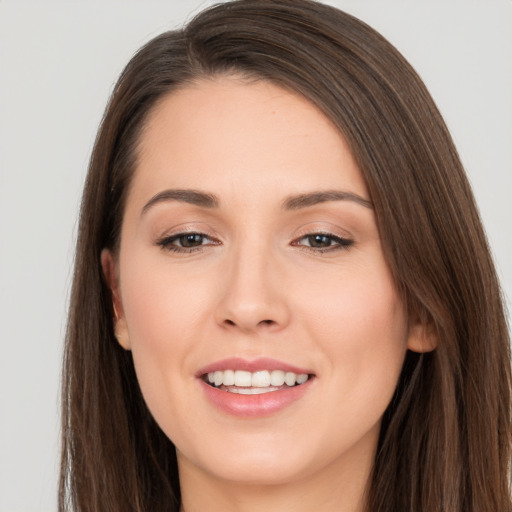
[(252, 296)]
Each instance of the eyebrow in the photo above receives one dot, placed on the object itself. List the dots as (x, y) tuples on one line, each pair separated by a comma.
[(296, 202), (313, 198), (194, 197)]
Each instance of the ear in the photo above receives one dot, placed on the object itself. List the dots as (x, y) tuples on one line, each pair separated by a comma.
[(421, 337), (110, 273)]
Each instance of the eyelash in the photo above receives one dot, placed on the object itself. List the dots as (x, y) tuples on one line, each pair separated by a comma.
[(167, 243), (336, 243)]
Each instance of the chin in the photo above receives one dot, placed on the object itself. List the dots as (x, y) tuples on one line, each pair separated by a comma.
[(281, 458), (258, 469)]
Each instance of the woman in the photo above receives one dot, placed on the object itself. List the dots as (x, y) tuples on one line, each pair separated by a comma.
[(283, 295)]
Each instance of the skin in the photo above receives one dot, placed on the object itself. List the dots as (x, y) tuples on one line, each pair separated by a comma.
[(255, 287)]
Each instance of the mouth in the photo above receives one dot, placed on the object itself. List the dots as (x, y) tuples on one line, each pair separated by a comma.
[(244, 382), (254, 388)]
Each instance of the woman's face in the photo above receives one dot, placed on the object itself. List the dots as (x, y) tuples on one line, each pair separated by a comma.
[(249, 251)]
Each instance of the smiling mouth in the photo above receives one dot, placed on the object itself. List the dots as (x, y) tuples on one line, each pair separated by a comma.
[(254, 383)]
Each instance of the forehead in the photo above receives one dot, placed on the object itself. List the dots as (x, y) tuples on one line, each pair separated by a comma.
[(228, 132)]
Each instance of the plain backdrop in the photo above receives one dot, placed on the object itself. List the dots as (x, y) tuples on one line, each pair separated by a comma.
[(58, 63)]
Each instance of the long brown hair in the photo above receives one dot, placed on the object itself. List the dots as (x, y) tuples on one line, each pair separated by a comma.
[(446, 436)]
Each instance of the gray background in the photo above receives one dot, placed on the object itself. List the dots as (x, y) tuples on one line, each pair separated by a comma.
[(58, 63)]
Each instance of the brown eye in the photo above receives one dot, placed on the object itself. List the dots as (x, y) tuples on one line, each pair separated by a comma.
[(323, 242), (319, 241), (186, 242), (190, 240)]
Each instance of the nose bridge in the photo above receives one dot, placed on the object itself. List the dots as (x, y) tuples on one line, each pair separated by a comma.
[(252, 296)]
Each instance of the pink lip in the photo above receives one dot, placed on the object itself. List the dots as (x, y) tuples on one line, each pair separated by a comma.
[(263, 404), (254, 405), (262, 363)]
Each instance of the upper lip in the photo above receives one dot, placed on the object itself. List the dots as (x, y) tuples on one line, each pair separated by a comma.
[(254, 365)]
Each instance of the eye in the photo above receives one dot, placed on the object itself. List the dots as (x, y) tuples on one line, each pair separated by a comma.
[(186, 242), (190, 240), (322, 242)]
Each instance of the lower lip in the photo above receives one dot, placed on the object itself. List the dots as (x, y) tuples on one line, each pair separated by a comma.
[(263, 404)]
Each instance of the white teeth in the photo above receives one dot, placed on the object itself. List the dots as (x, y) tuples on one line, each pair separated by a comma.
[(261, 379), (229, 378), (258, 381), (289, 378), (302, 378), (251, 391), (243, 379), (277, 378), (219, 377)]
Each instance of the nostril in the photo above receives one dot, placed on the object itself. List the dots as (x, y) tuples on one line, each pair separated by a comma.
[(227, 321)]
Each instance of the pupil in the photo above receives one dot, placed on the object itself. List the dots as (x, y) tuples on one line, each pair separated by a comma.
[(191, 240), (319, 241)]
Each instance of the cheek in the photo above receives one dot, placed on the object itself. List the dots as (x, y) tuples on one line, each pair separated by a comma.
[(360, 323), (161, 303), (163, 312)]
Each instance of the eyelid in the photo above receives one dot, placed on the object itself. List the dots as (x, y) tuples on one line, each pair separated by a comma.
[(343, 240), (322, 228), (185, 228)]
